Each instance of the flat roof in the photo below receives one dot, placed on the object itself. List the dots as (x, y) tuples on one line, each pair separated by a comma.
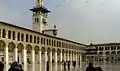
[(104, 44), (5, 23), (50, 30)]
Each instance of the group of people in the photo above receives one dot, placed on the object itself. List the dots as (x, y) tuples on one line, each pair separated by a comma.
[(15, 66), (91, 68)]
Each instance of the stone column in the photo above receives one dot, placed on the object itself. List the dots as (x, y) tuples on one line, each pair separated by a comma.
[(74, 57), (55, 60), (65, 60), (61, 60), (25, 59), (33, 60), (76, 62), (68, 56), (45, 61), (16, 54), (80, 61), (50, 63), (6, 58), (71, 61), (39, 60)]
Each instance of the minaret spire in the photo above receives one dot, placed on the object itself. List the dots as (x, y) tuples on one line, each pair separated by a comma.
[(39, 3), (40, 15)]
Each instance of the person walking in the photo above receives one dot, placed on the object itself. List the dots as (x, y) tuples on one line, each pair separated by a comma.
[(90, 67), (64, 65), (21, 67), (1, 66), (68, 65)]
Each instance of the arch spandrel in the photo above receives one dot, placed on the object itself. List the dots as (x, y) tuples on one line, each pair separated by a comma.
[(11, 46), (37, 49), (53, 50), (49, 50), (107, 53), (20, 47), (43, 49), (2, 45), (113, 52), (58, 51), (28, 48)]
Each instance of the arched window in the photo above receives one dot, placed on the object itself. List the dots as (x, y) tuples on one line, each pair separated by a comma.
[(26, 37), (13, 35), (9, 34), (41, 40), (60, 44), (44, 41), (52, 43), (18, 36), (0, 32), (22, 37), (57, 43), (3, 33), (38, 40), (47, 42), (118, 47), (30, 38), (34, 39)]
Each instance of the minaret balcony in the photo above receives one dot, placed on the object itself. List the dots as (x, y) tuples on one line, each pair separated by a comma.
[(40, 9)]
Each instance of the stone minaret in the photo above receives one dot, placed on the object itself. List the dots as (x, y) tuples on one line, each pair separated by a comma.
[(40, 15)]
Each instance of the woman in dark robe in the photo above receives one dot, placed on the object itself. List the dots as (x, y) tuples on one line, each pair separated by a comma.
[(1, 66), (14, 67), (98, 69)]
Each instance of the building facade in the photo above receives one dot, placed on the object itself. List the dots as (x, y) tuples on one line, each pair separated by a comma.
[(35, 50), (105, 53)]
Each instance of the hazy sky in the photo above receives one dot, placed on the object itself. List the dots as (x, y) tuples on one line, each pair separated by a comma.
[(80, 20)]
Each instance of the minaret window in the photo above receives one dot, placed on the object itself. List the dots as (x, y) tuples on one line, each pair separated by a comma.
[(44, 20), (37, 20)]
